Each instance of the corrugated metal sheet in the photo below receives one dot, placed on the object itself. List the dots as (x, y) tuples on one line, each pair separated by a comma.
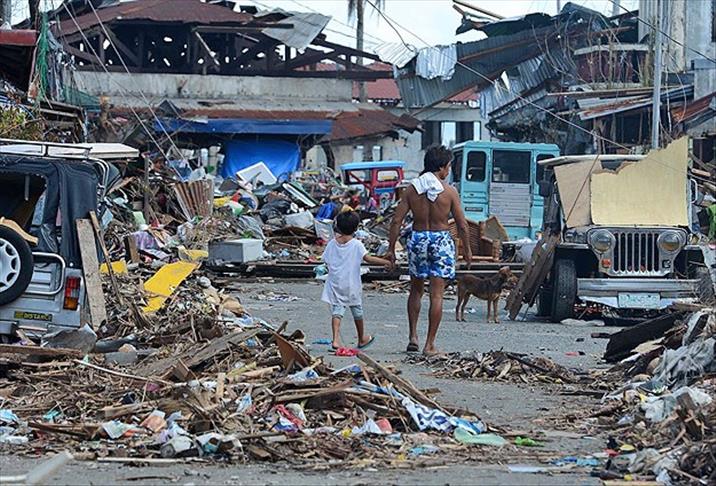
[(306, 27), (350, 120), (505, 51), (597, 108), (180, 11), (436, 62), (395, 53), (526, 76)]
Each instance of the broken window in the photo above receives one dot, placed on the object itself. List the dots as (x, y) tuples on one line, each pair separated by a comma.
[(540, 168), (448, 133), (476, 163), (431, 134), (511, 166)]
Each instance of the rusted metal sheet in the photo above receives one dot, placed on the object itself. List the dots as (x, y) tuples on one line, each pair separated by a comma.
[(18, 37), (175, 11)]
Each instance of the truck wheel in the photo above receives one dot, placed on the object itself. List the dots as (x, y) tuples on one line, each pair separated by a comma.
[(706, 286), (544, 303), (564, 290), (16, 265)]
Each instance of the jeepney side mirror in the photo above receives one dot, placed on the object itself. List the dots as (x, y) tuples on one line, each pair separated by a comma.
[(545, 188)]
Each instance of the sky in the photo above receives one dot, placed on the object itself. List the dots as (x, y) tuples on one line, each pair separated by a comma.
[(420, 22)]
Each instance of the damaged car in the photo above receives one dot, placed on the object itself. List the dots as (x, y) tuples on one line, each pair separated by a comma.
[(46, 188), (627, 236)]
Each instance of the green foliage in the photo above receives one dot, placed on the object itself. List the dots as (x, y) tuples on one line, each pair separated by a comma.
[(15, 123)]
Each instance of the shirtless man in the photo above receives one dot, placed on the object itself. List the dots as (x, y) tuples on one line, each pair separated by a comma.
[(431, 249)]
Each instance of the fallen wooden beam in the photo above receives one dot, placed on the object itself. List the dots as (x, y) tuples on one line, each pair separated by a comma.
[(39, 351), (622, 343)]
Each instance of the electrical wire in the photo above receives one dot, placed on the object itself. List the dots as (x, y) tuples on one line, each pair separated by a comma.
[(653, 27), (494, 83), (136, 83), (134, 112)]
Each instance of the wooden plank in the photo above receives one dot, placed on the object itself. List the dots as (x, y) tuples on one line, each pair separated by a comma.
[(38, 351), (401, 384), (533, 275), (90, 270), (623, 342), (105, 254)]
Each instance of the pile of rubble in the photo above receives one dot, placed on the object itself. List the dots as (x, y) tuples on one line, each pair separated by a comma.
[(666, 412), (238, 390), (497, 366)]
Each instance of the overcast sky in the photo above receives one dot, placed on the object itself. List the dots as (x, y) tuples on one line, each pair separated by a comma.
[(433, 21)]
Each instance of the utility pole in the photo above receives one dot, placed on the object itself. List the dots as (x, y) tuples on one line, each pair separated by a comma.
[(360, 26), (559, 6), (656, 102)]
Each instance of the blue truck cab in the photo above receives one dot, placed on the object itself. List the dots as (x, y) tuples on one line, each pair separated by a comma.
[(501, 179)]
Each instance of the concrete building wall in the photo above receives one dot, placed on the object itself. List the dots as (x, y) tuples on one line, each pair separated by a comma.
[(689, 22), (194, 86), (407, 147)]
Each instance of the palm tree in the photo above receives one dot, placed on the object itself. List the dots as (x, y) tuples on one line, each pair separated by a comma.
[(356, 9)]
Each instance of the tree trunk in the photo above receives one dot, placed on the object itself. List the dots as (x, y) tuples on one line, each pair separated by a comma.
[(360, 17), (34, 6), (5, 12)]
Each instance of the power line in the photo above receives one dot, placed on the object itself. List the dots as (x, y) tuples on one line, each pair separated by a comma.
[(134, 112), (664, 33), (124, 65), (545, 110), (494, 83)]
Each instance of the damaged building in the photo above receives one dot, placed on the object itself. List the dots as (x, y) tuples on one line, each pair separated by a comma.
[(211, 76), (579, 79)]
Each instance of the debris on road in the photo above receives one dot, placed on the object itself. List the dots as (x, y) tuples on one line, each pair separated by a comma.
[(496, 365)]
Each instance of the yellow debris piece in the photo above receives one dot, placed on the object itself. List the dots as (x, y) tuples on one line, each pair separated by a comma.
[(192, 255), (163, 283), (120, 266)]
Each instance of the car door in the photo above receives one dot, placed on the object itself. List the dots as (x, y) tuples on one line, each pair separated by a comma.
[(474, 184)]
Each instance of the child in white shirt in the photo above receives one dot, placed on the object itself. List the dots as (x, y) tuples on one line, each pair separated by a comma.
[(343, 257)]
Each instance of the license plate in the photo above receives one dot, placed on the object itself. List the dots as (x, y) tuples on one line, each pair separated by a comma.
[(33, 316), (641, 300)]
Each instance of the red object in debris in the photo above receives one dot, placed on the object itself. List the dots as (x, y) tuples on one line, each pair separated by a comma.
[(347, 352), (384, 426), (571, 353)]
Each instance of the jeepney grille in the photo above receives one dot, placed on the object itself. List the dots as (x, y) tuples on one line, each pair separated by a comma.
[(636, 253)]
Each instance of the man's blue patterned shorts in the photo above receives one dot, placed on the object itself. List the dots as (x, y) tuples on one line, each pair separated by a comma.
[(431, 254)]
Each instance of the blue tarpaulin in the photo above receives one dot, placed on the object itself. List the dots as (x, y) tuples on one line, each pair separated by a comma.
[(244, 125), (282, 157)]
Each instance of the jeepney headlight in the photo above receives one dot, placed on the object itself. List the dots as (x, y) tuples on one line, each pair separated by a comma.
[(601, 241), (670, 241)]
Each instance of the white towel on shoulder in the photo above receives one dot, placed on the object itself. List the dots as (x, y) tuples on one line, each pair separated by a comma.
[(430, 184)]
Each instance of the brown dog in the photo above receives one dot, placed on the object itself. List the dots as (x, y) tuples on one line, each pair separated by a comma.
[(485, 288)]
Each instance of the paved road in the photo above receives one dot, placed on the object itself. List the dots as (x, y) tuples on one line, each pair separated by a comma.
[(518, 407)]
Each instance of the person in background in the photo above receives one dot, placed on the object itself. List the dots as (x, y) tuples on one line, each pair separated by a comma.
[(343, 257), (431, 249)]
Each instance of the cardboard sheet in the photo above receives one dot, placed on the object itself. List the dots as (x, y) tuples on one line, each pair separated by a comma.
[(570, 179), (652, 192)]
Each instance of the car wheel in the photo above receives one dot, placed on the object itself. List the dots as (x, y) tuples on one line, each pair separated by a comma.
[(564, 290), (16, 265)]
